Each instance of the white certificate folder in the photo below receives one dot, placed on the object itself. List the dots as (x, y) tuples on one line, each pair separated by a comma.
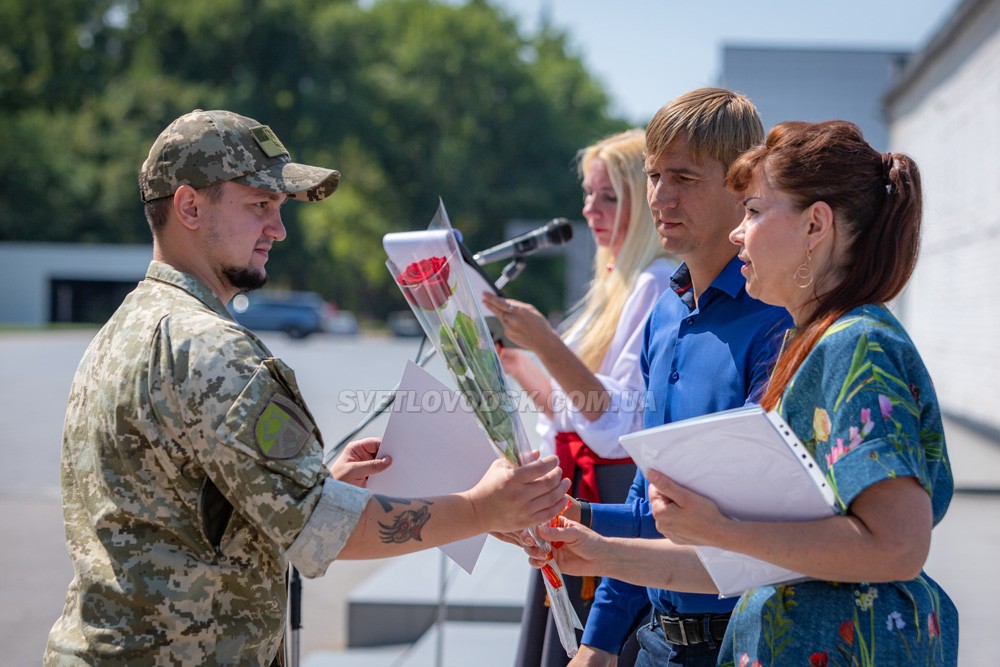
[(753, 466)]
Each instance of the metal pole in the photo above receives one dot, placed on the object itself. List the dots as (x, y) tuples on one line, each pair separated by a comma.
[(295, 613), (442, 614)]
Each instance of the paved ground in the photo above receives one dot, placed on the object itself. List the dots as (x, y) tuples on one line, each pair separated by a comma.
[(34, 567), (34, 384)]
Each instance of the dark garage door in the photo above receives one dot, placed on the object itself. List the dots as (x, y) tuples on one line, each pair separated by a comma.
[(91, 301)]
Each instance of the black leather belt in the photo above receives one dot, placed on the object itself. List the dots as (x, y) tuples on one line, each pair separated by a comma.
[(689, 630)]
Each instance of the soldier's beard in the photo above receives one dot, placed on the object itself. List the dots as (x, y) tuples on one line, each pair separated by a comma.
[(245, 279)]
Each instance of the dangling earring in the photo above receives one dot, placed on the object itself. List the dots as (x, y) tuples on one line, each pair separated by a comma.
[(803, 275)]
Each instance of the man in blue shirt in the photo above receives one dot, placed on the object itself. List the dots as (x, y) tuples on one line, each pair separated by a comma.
[(708, 346)]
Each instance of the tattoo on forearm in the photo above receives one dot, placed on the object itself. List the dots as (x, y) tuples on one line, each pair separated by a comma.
[(407, 524)]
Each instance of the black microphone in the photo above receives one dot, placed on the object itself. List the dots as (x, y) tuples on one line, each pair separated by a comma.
[(554, 232)]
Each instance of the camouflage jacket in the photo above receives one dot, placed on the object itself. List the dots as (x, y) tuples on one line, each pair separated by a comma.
[(191, 470)]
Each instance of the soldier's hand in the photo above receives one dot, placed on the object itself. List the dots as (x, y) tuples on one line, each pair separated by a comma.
[(519, 539), (509, 498), (359, 461)]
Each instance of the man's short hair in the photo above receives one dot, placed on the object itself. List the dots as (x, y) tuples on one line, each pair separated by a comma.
[(718, 123), (157, 210)]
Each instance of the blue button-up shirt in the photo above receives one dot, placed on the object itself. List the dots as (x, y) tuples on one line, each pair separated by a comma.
[(696, 359)]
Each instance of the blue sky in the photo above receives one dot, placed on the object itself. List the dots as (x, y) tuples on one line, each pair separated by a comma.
[(646, 52)]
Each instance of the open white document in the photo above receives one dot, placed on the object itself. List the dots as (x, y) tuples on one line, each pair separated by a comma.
[(437, 447), (753, 466)]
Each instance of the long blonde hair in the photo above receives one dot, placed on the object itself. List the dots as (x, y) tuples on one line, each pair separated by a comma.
[(623, 155)]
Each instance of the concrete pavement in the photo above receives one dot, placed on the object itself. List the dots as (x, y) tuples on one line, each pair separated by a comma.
[(35, 569)]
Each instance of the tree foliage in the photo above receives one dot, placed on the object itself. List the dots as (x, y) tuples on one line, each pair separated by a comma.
[(412, 100)]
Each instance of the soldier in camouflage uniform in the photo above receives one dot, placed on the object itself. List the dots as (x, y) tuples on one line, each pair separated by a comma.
[(192, 470)]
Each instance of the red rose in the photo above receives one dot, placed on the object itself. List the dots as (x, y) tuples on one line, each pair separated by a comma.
[(425, 283)]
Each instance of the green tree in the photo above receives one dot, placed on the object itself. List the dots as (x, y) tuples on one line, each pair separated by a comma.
[(412, 100)]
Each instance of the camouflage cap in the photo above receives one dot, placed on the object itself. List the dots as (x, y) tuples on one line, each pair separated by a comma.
[(203, 148)]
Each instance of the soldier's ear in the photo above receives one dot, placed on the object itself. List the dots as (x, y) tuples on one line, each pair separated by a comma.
[(186, 201)]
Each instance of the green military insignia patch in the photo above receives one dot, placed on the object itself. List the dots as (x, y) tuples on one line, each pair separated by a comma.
[(280, 430), (268, 141)]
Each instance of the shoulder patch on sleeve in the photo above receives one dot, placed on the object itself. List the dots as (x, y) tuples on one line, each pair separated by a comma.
[(281, 429)]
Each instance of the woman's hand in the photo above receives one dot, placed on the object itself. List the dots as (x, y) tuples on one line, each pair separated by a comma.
[(533, 380), (682, 515), (526, 327), (515, 362), (357, 462), (522, 323), (885, 535)]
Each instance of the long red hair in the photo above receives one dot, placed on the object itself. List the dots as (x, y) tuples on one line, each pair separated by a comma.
[(876, 200)]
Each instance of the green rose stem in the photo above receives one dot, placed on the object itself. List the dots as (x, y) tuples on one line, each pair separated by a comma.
[(469, 354)]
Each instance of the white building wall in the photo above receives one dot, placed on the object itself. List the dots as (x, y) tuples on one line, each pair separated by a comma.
[(947, 117), (27, 269), (815, 84)]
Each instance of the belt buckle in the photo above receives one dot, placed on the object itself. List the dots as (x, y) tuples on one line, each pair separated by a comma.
[(679, 622)]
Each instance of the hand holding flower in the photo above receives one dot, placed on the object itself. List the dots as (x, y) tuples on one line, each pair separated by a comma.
[(580, 550), (509, 498), (520, 538)]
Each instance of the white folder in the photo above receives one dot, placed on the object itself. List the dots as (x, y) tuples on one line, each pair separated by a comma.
[(750, 462)]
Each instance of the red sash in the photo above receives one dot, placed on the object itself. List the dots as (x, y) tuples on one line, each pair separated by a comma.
[(574, 454)]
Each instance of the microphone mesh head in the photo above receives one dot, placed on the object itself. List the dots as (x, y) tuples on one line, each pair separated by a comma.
[(560, 231)]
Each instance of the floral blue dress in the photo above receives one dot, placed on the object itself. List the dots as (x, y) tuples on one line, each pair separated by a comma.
[(863, 402)]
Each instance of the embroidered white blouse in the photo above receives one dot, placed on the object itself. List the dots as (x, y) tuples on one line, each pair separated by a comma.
[(619, 373)]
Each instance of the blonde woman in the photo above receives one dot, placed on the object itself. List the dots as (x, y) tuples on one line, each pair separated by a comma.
[(589, 386)]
